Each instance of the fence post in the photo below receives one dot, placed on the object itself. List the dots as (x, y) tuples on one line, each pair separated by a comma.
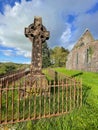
[(81, 93), (66, 95), (62, 96), (7, 101), (58, 96), (49, 95)]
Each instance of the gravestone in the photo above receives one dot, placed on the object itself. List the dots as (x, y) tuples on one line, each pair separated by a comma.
[(38, 34)]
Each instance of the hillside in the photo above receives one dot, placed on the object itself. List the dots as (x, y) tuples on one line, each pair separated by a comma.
[(10, 67)]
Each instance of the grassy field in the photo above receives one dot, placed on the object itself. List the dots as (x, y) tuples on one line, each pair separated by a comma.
[(89, 80), (85, 118)]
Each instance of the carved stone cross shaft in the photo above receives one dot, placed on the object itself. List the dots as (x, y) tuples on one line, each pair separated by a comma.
[(38, 34)]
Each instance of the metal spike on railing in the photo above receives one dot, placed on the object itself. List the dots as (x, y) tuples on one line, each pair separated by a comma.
[(24, 99), (77, 87), (54, 96), (7, 101), (35, 99), (40, 102), (70, 87), (44, 98), (49, 95), (19, 85), (74, 92), (58, 96), (66, 94), (62, 96), (81, 93), (13, 85)]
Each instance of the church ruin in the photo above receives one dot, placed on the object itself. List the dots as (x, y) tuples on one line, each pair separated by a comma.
[(84, 55)]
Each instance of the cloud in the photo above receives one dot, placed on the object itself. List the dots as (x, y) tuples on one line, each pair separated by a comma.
[(16, 18), (26, 54), (15, 52), (66, 35), (7, 52), (87, 21), (4, 61)]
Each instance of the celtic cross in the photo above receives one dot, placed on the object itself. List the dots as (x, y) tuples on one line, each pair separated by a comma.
[(38, 34)]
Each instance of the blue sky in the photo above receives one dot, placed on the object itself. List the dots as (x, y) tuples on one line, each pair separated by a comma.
[(65, 19)]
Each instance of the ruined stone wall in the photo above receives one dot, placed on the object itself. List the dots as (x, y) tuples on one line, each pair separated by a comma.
[(84, 57), (84, 39)]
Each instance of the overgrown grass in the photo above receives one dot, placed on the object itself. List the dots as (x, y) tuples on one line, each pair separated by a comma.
[(85, 118)]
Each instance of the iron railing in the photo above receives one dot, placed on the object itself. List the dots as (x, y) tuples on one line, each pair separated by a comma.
[(31, 98)]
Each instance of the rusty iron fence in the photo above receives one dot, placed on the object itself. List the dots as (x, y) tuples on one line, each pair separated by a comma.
[(31, 98), (12, 76)]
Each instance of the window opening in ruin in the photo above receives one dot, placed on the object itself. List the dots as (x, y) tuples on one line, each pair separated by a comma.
[(87, 56), (82, 44), (77, 58)]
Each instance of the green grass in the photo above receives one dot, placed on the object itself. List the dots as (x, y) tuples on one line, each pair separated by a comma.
[(89, 81), (85, 118), (89, 78)]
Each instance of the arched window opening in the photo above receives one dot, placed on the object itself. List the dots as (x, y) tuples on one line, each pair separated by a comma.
[(77, 59)]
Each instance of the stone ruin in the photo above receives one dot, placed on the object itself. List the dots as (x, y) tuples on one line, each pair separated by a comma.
[(84, 55)]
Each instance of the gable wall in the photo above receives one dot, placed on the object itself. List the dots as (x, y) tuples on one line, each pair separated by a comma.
[(82, 63)]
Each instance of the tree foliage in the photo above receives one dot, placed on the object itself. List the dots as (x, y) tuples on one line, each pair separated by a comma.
[(56, 57), (45, 56), (59, 56)]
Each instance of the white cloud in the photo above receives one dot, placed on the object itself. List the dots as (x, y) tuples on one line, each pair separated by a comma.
[(66, 35), (7, 52), (87, 21), (16, 52), (26, 54), (72, 6), (15, 19), (4, 61)]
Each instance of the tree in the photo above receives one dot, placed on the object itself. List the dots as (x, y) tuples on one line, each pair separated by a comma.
[(45, 56), (10, 68), (59, 56)]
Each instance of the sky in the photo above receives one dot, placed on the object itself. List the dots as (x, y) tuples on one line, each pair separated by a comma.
[(65, 19)]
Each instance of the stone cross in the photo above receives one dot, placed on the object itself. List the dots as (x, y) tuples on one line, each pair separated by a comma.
[(38, 34)]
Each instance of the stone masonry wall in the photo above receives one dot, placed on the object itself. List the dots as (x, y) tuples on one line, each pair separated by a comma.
[(84, 57)]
